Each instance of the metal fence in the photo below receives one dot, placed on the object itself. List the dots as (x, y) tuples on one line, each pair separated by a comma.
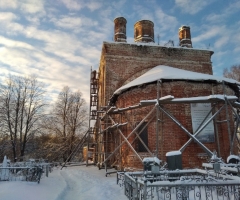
[(193, 184), (24, 171)]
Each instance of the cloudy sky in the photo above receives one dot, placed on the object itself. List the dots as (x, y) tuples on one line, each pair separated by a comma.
[(59, 40)]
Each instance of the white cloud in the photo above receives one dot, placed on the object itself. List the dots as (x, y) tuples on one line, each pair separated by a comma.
[(220, 54), (18, 60), (68, 22), (143, 12), (33, 20), (58, 58), (80, 4), (13, 43), (53, 37), (163, 22), (167, 22), (8, 24), (107, 12), (8, 4), (14, 28), (32, 6), (208, 33), (57, 74), (192, 6), (236, 49), (93, 5), (6, 17), (72, 4), (222, 41), (224, 14), (118, 4), (235, 38), (233, 7), (62, 44), (76, 23), (92, 52), (218, 64), (48, 69), (215, 18), (31, 10)]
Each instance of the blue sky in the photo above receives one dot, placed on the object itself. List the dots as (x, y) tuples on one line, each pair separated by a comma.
[(59, 40)]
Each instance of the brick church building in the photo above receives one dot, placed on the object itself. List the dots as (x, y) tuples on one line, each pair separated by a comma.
[(154, 99)]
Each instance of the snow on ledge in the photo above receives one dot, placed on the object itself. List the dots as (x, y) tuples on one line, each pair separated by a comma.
[(151, 160), (233, 157), (201, 99), (168, 97), (158, 45), (173, 153), (206, 98)]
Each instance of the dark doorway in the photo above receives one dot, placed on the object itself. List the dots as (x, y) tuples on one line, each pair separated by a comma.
[(143, 136)]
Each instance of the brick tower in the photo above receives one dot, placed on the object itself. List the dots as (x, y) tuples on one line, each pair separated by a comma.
[(185, 37), (120, 29), (144, 31)]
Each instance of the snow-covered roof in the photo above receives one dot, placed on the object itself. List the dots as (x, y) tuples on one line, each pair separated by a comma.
[(163, 72)]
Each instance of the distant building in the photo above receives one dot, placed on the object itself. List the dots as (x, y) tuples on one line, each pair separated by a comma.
[(130, 74)]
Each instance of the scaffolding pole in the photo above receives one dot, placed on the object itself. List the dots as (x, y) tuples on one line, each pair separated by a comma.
[(130, 135)]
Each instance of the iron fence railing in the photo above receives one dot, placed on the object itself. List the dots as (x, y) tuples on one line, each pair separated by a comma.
[(193, 184), (20, 174), (24, 171)]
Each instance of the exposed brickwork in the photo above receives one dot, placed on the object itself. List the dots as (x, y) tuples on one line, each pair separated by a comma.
[(185, 37), (121, 63), (171, 137), (144, 31), (120, 29)]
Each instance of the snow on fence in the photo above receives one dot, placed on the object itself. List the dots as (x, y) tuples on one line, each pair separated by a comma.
[(192, 184), (21, 174), (24, 171)]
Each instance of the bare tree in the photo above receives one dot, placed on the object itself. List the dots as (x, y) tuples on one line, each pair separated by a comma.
[(21, 107), (233, 72), (67, 121)]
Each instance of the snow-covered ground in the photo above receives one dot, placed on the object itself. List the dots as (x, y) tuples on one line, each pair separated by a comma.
[(71, 183)]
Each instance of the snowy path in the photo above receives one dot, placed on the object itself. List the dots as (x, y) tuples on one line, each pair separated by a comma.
[(71, 183)]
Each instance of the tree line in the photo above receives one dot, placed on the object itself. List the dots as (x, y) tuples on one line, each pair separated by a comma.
[(32, 128), (233, 72)]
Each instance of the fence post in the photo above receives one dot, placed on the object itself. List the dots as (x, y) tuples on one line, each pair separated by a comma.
[(125, 184), (145, 189), (47, 170), (137, 192)]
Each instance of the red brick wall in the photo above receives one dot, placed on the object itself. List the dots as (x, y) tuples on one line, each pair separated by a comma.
[(123, 62), (171, 137)]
